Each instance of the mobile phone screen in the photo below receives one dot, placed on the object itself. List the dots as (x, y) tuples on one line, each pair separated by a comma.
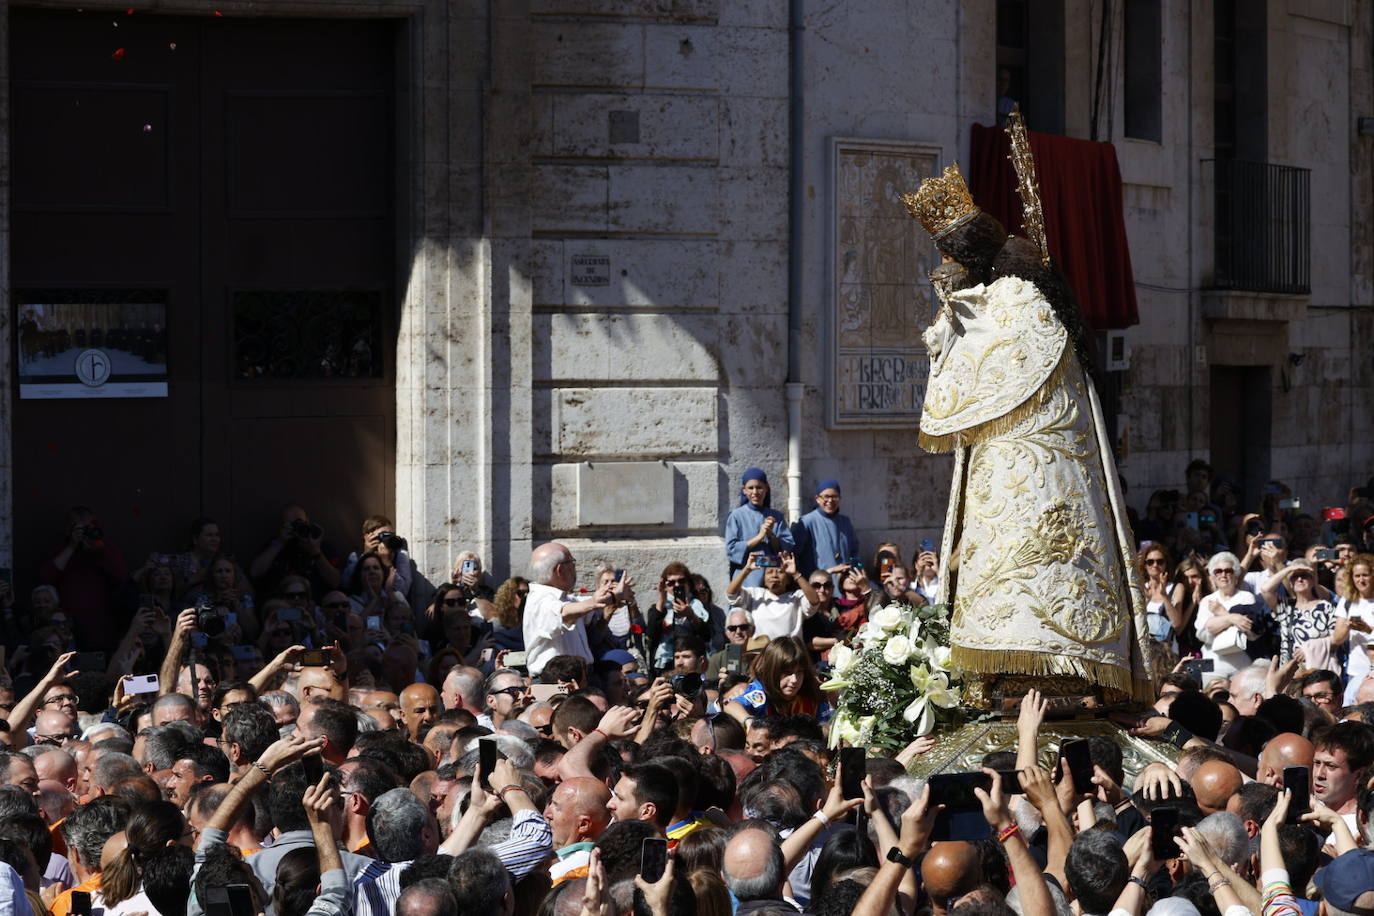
[(955, 790), (653, 858), (853, 764), (486, 760), (1163, 829), (241, 900), (1080, 764), (1297, 780)]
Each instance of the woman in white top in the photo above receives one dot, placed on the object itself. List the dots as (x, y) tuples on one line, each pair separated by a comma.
[(1355, 615), (1219, 628)]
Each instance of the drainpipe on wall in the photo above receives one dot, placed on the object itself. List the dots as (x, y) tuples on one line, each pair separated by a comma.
[(796, 198)]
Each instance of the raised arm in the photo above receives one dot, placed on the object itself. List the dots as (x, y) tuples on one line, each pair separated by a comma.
[(25, 709), (1035, 895), (171, 664), (917, 822)]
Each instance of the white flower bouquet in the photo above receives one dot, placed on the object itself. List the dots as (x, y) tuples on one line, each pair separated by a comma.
[(894, 683)]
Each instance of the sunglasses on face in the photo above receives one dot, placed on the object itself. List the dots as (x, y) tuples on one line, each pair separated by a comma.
[(826, 584), (62, 698), (1154, 561), (453, 602), (739, 627), (513, 692)]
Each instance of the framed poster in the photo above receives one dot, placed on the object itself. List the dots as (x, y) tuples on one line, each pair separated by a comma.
[(91, 343), (880, 297)]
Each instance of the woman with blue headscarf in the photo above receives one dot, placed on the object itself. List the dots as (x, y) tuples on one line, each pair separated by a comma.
[(754, 527)]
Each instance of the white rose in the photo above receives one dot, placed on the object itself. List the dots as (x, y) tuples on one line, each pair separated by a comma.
[(888, 618), (897, 650), (842, 659), (871, 635)]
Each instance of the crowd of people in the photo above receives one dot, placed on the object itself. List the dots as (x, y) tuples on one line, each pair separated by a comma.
[(320, 731)]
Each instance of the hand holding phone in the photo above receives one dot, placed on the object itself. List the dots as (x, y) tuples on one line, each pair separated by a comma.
[(1298, 781), (1163, 829), (853, 768), (653, 859), (486, 760), (1080, 762), (143, 683)]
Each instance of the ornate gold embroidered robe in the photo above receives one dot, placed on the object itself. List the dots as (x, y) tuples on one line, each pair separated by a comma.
[(1045, 582)]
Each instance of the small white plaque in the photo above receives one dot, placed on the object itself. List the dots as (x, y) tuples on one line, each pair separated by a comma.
[(621, 493)]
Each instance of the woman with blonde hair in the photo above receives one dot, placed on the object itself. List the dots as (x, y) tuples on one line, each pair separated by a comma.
[(1355, 614), (784, 684)]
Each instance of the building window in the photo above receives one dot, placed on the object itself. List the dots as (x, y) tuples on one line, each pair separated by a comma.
[(1030, 62), (1143, 41)]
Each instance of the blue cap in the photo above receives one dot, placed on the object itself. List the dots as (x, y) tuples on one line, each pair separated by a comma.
[(619, 656), (1349, 877), (755, 474), (829, 483)]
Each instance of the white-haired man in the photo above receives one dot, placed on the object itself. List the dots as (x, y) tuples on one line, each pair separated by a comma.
[(554, 624)]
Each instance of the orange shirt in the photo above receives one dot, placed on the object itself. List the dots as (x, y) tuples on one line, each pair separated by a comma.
[(63, 902)]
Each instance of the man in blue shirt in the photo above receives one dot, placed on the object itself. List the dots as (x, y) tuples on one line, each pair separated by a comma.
[(825, 538)]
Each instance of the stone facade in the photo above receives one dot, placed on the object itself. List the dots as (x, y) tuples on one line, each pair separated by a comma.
[(598, 222)]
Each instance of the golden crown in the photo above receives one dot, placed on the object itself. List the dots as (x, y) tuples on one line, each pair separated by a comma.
[(943, 203)]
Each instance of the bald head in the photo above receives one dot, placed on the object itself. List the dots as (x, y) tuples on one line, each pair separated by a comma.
[(552, 564), (950, 869), (577, 811), (754, 866), (57, 766), (54, 725), (419, 707), (1285, 750), (1214, 783)]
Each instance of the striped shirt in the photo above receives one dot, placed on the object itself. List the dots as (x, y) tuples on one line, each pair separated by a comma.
[(378, 886)]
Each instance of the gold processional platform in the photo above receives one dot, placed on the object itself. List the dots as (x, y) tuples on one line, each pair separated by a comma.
[(962, 748)]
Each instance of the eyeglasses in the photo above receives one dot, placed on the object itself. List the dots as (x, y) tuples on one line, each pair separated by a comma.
[(1318, 697), (1223, 571), (1154, 561), (676, 581), (1303, 575), (740, 627), (453, 602), (522, 591), (62, 698), (511, 691), (50, 739), (825, 584)]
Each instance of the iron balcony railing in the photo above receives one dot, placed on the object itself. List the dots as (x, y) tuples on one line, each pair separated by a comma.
[(1263, 226)]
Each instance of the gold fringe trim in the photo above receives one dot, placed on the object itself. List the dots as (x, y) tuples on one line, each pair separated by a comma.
[(1045, 664), (1005, 423)]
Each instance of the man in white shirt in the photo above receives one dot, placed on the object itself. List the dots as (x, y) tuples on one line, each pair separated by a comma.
[(554, 623), (785, 600)]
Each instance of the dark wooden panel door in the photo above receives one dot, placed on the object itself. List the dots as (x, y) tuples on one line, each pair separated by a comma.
[(244, 171)]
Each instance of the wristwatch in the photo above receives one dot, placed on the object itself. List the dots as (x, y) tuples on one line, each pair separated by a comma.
[(895, 855)]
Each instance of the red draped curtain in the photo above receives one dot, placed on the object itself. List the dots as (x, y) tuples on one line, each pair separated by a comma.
[(1080, 190)]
